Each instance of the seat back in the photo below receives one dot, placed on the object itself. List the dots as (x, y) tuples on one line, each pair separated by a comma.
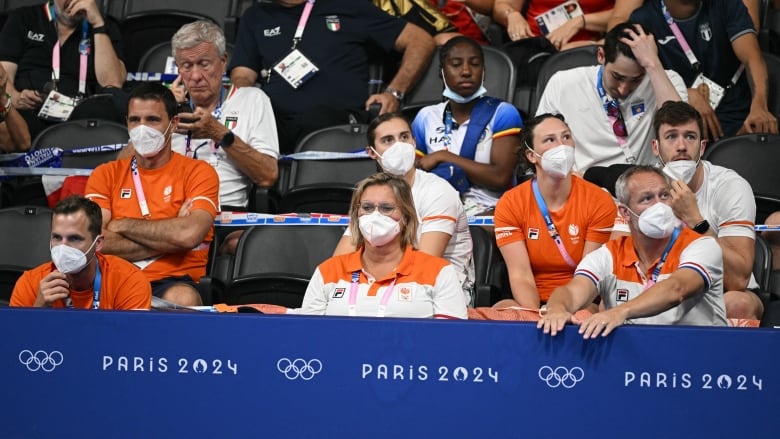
[(486, 256), (564, 60), (762, 264), (273, 264), (756, 157), (290, 249), (326, 186), (143, 30), (500, 79), (24, 243), (82, 133)]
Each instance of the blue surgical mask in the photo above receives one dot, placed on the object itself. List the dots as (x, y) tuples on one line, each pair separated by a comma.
[(454, 97)]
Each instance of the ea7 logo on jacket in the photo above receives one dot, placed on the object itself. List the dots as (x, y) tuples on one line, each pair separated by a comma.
[(272, 32), (32, 36)]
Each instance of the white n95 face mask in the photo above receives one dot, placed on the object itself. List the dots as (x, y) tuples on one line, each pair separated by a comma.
[(398, 159), (147, 141), (69, 260), (657, 221), (378, 229), (681, 170), (558, 161)]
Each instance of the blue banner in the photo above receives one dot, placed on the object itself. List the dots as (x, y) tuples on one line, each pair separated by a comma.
[(178, 374)]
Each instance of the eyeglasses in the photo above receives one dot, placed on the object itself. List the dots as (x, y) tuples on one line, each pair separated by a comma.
[(384, 209), (619, 126)]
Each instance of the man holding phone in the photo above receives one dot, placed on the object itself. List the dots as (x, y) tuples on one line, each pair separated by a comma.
[(232, 129)]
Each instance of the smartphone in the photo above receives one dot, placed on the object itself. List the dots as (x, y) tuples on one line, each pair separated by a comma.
[(184, 107)]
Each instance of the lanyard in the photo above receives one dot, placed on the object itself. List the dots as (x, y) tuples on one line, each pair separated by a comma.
[(687, 48), (353, 290), (84, 49), (657, 270), (302, 23), (139, 189), (217, 113), (447, 127), (606, 102), (551, 226), (96, 285)]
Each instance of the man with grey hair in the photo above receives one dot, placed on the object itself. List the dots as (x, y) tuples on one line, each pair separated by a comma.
[(233, 129), (661, 274)]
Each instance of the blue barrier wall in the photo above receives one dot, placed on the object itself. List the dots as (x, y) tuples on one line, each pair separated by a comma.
[(155, 374)]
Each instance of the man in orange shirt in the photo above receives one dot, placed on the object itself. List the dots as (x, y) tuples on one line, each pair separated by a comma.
[(158, 206), (79, 276)]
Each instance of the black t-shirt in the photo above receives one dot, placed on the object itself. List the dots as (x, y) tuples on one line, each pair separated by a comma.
[(28, 38), (336, 39)]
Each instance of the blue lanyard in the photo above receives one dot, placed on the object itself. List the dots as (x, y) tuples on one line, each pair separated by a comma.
[(551, 225), (217, 113), (96, 285), (447, 127), (657, 269), (600, 89)]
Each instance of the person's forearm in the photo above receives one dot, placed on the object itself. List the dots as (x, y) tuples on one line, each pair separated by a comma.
[(109, 70), (662, 86), (503, 8), (562, 300), (596, 21), (261, 168), (655, 300), (622, 11), (483, 174), (17, 128), (417, 47), (760, 78), (168, 235), (118, 245), (524, 291)]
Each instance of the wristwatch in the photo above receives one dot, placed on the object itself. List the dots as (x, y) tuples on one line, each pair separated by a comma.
[(702, 227), (227, 140), (398, 94), (100, 30)]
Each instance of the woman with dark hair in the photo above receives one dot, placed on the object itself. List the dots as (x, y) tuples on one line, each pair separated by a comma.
[(547, 224), (470, 139)]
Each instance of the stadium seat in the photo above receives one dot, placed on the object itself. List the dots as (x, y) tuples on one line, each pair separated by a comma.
[(756, 157), (273, 264), (486, 256), (143, 30), (82, 133), (762, 264), (67, 136), (564, 60), (326, 186), (24, 243), (499, 81)]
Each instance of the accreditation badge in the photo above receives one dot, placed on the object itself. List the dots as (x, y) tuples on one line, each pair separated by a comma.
[(295, 68), (711, 90), (57, 107)]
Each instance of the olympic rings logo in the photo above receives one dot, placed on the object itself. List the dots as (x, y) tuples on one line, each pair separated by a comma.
[(299, 368), (561, 376), (40, 360)]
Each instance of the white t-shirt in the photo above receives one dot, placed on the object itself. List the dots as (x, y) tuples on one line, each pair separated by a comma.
[(247, 112), (573, 94)]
